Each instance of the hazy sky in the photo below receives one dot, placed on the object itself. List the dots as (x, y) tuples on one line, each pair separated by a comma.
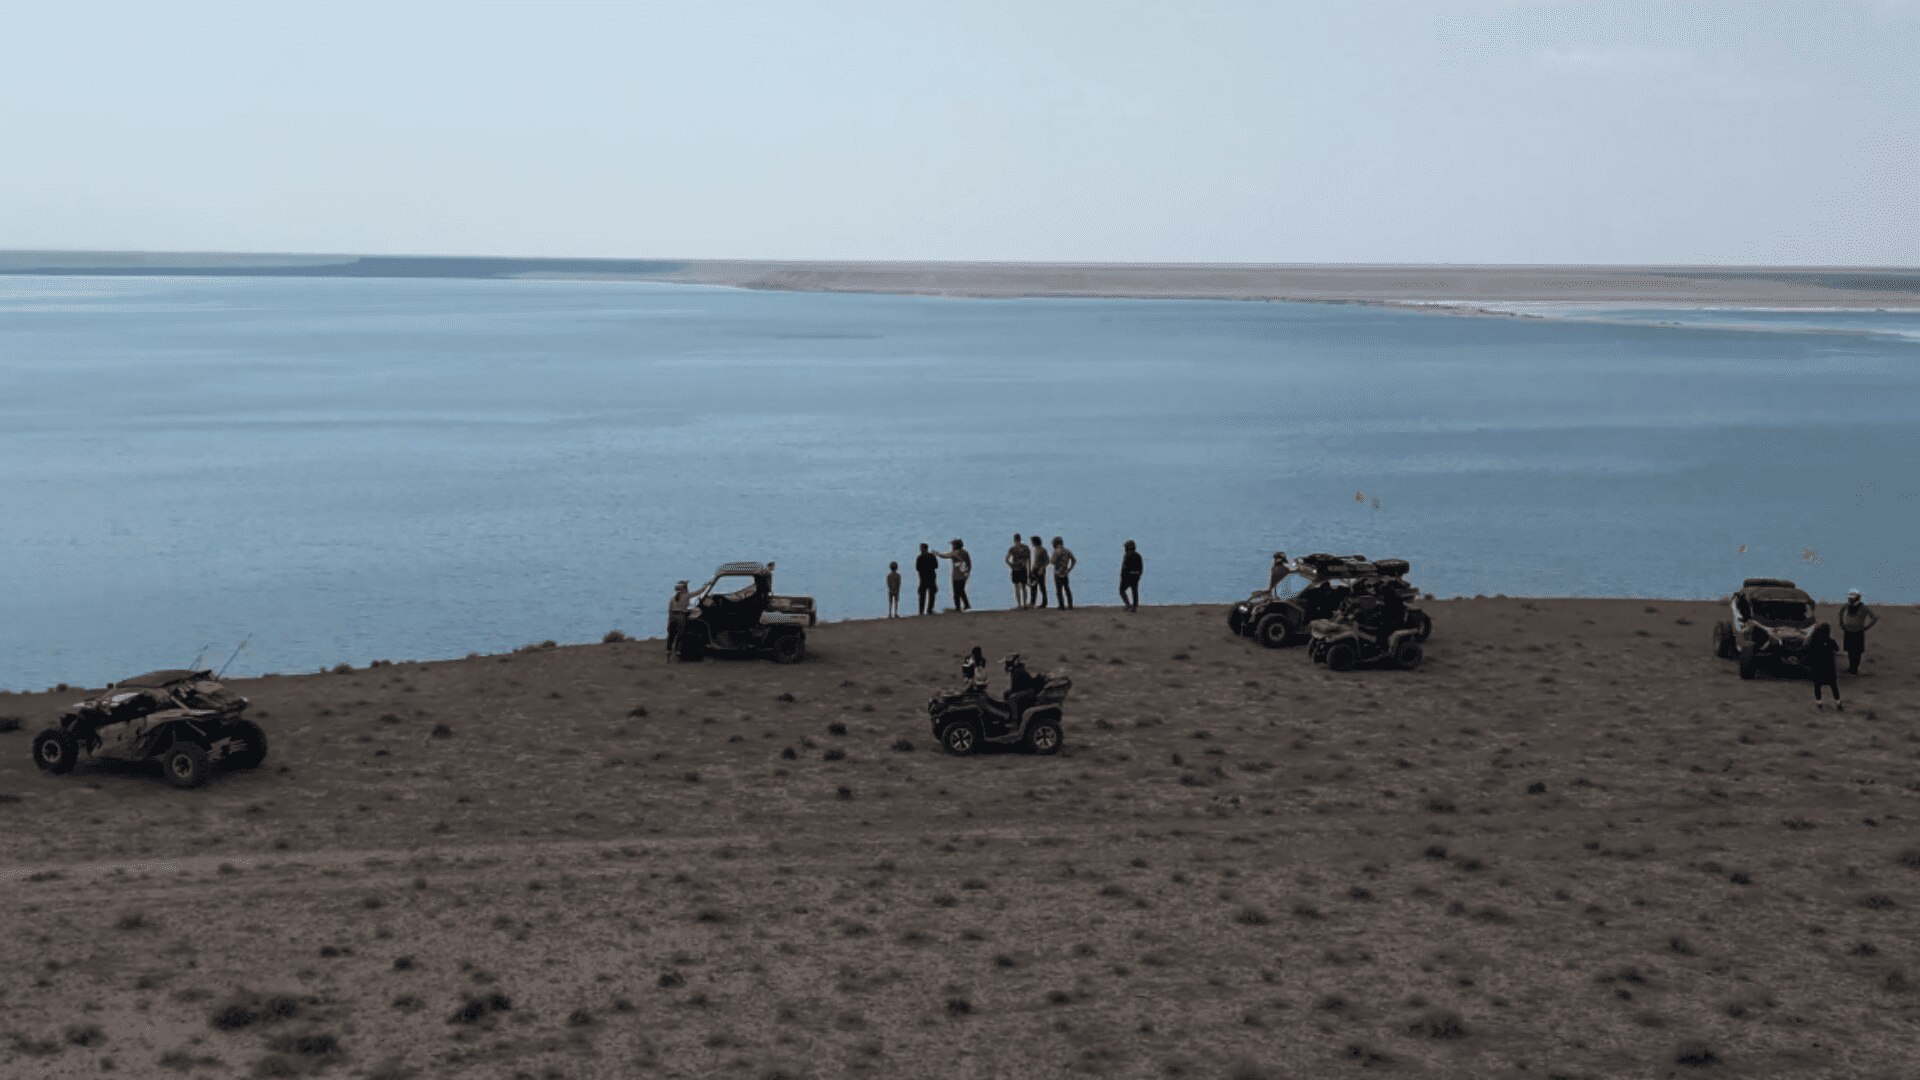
[(1042, 129)]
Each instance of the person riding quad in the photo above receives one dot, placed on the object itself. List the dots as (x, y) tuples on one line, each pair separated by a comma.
[(1022, 686), (1393, 609), (973, 668)]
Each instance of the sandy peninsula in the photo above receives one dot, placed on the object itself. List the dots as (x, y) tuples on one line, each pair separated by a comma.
[(1706, 286), (1573, 844), (1751, 286)]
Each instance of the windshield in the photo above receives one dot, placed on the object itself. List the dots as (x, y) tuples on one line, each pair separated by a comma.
[(735, 586), (1786, 612)]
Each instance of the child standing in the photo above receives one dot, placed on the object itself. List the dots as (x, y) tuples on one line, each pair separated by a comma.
[(893, 590)]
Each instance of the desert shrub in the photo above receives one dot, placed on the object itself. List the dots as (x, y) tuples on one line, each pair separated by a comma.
[(904, 746), (475, 1009), (613, 637), (84, 1035), (308, 1044), (441, 731), (1695, 1054), (9, 724), (1438, 1024)]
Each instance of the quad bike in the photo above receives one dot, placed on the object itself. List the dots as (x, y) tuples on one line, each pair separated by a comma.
[(1343, 643), (185, 720), (969, 720)]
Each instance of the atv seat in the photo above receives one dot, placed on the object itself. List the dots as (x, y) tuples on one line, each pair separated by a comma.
[(1055, 691)]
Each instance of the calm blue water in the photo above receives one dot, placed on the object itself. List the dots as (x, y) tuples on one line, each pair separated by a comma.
[(361, 469)]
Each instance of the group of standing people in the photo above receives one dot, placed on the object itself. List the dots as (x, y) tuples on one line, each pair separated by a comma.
[(1027, 567), (1030, 561)]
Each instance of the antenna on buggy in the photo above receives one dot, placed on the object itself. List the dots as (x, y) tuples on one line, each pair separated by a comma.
[(236, 652), (197, 657)]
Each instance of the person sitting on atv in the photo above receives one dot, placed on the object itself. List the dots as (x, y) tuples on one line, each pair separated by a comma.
[(1022, 687), (973, 668), (1393, 611)]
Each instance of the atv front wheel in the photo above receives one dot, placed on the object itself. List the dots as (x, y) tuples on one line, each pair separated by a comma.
[(1723, 643), (1340, 656), (253, 745), (185, 765), (55, 751), (1275, 631), (960, 739), (1749, 664), (789, 648), (1408, 655), (1044, 738), (692, 643), (1422, 626)]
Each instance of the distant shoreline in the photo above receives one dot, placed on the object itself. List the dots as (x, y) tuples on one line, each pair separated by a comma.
[(1454, 288)]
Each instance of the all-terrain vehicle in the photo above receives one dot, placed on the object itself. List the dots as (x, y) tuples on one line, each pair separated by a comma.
[(970, 720), (1772, 618), (1276, 621), (736, 612), (1359, 634), (184, 719)]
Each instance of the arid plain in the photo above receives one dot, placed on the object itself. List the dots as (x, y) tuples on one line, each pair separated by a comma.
[(1572, 845)]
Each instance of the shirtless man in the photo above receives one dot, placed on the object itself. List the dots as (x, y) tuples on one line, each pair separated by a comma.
[(1017, 556)]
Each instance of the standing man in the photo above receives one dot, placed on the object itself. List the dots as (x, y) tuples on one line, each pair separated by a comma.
[(1063, 561), (1037, 575), (676, 614), (1277, 572), (1131, 567), (928, 566), (1856, 619), (962, 569), (1017, 569)]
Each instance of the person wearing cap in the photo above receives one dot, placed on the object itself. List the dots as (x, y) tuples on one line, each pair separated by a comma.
[(1277, 572), (1856, 618), (962, 569), (677, 614)]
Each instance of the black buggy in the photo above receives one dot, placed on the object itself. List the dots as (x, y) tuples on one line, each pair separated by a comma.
[(183, 719), (736, 612), (970, 720), (1772, 618), (1277, 621)]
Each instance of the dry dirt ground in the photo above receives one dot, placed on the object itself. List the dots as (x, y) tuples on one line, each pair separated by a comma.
[(1572, 845)]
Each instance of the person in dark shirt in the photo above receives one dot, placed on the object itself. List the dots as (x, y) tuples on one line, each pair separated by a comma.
[(928, 567), (1131, 567), (1393, 611), (1037, 575), (1821, 664)]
